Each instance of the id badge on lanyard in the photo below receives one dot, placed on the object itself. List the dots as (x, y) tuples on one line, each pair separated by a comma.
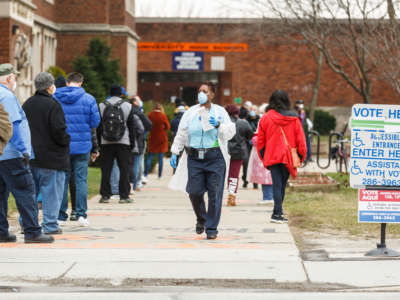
[(201, 153)]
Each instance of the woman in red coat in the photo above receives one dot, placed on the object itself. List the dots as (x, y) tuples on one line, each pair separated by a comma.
[(158, 141), (278, 127)]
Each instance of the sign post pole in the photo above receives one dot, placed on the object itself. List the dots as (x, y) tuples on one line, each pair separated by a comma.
[(381, 250)]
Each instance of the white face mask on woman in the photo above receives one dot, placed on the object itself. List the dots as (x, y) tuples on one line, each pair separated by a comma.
[(14, 86), (202, 97)]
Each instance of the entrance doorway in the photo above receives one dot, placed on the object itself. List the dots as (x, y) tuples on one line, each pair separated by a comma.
[(189, 95)]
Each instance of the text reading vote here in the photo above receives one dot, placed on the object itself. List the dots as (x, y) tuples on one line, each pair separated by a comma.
[(367, 112)]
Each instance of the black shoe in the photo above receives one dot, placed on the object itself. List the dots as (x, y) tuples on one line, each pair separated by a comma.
[(279, 219), (58, 231), (104, 200), (199, 228), (245, 184), (40, 239), (211, 236), (9, 238), (74, 216)]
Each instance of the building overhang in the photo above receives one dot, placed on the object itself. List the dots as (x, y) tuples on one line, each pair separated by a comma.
[(21, 11)]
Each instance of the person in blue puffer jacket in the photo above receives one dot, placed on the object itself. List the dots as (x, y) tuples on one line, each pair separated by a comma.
[(81, 115)]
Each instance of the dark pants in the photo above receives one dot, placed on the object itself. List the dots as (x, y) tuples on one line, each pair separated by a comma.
[(122, 154), (72, 191), (17, 178), (207, 175), (280, 176)]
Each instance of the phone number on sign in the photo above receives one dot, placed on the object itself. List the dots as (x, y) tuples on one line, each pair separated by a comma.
[(384, 218), (374, 181)]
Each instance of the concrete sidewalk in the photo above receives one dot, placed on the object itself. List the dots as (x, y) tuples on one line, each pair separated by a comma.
[(153, 241)]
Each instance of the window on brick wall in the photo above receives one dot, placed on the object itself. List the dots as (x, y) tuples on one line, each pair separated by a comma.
[(49, 49), (130, 6)]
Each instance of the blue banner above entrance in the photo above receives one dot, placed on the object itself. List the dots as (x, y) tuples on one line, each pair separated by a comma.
[(185, 61)]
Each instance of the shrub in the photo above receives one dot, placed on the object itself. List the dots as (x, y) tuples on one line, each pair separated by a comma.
[(324, 122), (56, 71)]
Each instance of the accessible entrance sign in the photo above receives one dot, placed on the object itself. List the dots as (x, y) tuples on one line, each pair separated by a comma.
[(375, 162), (375, 146)]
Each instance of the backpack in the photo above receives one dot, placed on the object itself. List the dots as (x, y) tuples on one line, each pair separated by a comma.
[(113, 121)]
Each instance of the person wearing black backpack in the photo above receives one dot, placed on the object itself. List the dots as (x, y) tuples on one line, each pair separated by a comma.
[(116, 135)]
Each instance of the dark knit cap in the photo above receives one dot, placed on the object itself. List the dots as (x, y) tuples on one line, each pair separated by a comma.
[(60, 81), (115, 90)]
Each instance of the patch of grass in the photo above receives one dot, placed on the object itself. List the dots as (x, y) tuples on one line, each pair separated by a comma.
[(94, 179), (333, 211)]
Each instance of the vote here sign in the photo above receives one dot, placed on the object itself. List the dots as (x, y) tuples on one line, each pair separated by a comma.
[(375, 145), (378, 206)]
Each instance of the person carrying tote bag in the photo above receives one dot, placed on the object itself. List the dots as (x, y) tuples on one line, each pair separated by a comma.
[(279, 131)]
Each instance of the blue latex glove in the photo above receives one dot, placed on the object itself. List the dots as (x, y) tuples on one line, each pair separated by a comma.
[(213, 122), (173, 161)]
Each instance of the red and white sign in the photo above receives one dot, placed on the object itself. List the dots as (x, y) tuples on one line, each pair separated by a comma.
[(378, 206)]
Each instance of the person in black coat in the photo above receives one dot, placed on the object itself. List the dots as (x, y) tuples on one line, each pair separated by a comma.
[(141, 140), (50, 143)]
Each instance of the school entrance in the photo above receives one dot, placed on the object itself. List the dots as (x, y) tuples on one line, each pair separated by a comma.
[(168, 86)]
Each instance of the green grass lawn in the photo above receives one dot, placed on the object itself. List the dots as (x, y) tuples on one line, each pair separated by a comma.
[(331, 211), (94, 178)]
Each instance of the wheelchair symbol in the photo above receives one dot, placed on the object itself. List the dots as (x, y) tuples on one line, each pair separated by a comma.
[(357, 142), (355, 169)]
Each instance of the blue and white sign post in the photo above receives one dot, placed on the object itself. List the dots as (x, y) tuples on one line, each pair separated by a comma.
[(375, 166)]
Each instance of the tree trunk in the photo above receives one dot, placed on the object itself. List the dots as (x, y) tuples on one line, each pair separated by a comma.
[(317, 82)]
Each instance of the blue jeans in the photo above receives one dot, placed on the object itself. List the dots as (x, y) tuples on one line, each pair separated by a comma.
[(79, 163), (280, 176), (148, 163), (207, 175), (17, 178), (114, 179), (50, 184), (137, 160), (267, 192)]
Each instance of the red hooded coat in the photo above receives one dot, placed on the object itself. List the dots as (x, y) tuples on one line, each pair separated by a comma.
[(271, 145)]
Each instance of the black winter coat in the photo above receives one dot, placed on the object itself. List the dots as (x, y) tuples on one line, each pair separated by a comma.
[(50, 140), (237, 146)]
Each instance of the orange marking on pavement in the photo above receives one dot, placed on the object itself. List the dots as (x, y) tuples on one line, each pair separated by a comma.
[(172, 246), (112, 214), (73, 237), (199, 237)]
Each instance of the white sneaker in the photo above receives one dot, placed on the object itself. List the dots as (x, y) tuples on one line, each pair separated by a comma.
[(61, 223), (144, 179), (115, 197), (139, 185), (83, 221), (264, 202)]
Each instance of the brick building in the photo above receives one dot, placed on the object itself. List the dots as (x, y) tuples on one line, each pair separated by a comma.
[(36, 34), (239, 54)]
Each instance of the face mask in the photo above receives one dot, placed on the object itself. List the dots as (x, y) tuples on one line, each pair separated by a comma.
[(14, 86), (54, 89), (202, 97), (252, 113), (300, 106)]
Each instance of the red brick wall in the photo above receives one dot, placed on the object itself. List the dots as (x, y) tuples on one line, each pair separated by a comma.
[(45, 9), (68, 49), (78, 11), (5, 36), (268, 65)]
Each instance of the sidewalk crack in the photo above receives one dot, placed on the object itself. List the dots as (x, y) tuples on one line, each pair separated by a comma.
[(65, 273)]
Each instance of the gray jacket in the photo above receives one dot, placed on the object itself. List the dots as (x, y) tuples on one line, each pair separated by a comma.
[(127, 110)]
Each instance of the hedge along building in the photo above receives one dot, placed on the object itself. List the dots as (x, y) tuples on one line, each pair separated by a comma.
[(184, 43), (37, 34)]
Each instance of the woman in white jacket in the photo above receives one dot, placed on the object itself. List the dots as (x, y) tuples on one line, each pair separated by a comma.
[(204, 132)]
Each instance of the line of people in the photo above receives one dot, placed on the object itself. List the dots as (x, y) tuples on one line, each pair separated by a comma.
[(47, 144)]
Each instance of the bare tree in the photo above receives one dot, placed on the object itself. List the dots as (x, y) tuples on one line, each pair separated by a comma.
[(344, 31)]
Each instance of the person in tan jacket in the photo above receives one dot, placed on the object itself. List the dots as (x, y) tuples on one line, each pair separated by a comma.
[(5, 128)]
